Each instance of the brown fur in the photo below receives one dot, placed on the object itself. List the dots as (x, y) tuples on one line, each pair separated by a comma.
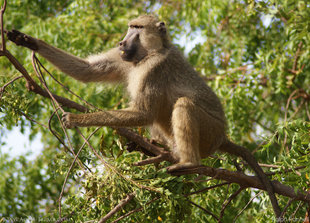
[(166, 93)]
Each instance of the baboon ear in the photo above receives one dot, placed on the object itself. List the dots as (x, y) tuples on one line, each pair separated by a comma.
[(161, 27)]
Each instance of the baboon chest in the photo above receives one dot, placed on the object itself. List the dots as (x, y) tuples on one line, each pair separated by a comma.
[(142, 86), (136, 83)]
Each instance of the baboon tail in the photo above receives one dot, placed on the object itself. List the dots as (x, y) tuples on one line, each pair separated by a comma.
[(245, 154)]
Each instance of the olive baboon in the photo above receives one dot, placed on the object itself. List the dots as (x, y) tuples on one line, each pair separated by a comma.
[(166, 94)]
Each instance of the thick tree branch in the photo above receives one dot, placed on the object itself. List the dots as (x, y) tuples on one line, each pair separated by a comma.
[(220, 174), (246, 181)]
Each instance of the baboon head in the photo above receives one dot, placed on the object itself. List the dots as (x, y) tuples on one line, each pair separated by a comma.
[(145, 34)]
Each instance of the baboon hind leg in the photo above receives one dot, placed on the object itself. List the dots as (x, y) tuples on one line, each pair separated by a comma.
[(185, 125)]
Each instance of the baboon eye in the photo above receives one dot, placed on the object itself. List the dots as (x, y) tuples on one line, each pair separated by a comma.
[(136, 27)]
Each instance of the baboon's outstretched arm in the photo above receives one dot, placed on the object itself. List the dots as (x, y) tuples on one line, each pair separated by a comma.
[(117, 118), (103, 67)]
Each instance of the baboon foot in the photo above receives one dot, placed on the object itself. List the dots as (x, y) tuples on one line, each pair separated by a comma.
[(181, 166)]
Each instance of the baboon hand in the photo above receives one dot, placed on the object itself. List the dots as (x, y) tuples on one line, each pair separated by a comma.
[(67, 120), (21, 39)]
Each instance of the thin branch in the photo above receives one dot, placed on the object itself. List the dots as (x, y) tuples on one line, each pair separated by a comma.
[(121, 204), (38, 71), (80, 163), (294, 213), (3, 47), (2, 89), (286, 206), (32, 120), (36, 66), (307, 217), (66, 218), (205, 210), (307, 110), (250, 201), (56, 134), (135, 210), (290, 98), (297, 56), (297, 109), (227, 202), (281, 171), (207, 188), (72, 164)]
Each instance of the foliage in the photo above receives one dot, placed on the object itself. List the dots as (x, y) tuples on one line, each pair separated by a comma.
[(254, 54)]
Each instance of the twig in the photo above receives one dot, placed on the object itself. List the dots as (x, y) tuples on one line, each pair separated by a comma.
[(65, 218), (36, 65), (293, 70), (307, 218), (286, 206), (282, 171), (3, 47), (121, 204), (227, 202), (32, 120), (207, 188), (297, 109), (285, 116), (205, 210), (72, 164), (298, 206), (80, 163), (135, 210), (288, 103), (2, 89), (307, 110), (56, 134), (250, 201)]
